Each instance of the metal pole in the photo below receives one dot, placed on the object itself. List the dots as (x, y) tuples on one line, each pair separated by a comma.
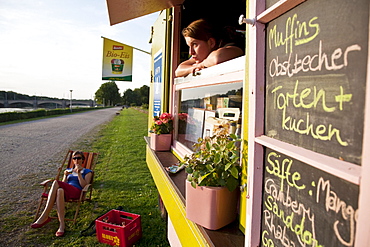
[(6, 103), (70, 102)]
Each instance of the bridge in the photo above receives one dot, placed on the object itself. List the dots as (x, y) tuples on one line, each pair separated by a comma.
[(35, 103)]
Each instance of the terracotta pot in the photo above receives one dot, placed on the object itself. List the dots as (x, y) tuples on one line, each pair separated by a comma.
[(211, 207), (160, 142)]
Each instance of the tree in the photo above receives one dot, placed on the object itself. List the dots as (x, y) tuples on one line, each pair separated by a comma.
[(144, 92), (138, 96), (128, 97), (108, 92)]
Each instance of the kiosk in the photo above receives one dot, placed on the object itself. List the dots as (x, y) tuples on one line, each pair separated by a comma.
[(302, 93)]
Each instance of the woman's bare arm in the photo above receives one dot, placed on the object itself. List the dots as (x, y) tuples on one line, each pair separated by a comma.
[(221, 55), (185, 68), (87, 180), (215, 57)]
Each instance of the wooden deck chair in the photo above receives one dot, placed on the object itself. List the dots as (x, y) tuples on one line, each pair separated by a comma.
[(89, 163)]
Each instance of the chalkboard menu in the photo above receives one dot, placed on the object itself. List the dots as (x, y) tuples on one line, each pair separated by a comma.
[(269, 3), (316, 61), (304, 206)]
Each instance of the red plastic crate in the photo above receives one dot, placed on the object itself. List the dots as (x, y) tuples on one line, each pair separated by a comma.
[(118, 228)]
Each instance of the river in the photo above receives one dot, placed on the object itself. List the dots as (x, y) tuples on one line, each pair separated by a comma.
[(2, 110)]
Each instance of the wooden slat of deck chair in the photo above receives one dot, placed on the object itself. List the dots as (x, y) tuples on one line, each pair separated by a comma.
[(90, 161)]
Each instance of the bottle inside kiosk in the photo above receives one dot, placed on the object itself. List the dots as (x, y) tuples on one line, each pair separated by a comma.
[(299, 100)]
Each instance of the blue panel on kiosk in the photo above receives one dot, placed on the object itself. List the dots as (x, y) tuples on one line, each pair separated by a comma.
[(157, 85)]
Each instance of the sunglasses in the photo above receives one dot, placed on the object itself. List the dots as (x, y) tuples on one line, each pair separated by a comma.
[(77, 158)]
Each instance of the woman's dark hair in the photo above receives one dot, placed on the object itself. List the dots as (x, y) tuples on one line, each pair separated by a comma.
[(202, 30), (231, 36), (79, 153)]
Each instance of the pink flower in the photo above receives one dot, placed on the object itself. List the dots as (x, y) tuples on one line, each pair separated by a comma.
[(166, 116), (183, 116), (162, 124)]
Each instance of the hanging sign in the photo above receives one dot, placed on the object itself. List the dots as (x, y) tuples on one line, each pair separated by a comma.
[(157, 84), (117, 61)]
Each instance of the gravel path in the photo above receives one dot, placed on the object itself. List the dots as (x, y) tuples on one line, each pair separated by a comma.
[(32, 151)]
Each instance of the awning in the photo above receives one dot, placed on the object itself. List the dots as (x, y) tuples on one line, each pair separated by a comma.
[(124, 10)]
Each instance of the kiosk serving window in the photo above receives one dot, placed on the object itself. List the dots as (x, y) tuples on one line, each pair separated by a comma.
[(215, 92), (198, 97), (198, 104)]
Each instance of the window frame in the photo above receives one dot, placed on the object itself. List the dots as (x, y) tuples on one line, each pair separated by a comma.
[(227, 72)]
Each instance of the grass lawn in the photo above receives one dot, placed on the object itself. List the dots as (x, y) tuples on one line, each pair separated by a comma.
[(121, 179)]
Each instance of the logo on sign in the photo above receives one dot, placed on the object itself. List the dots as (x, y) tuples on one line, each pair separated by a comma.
[(117, 47), (115, 239)]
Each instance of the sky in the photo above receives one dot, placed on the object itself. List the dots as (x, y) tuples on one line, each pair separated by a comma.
[(49, 47)]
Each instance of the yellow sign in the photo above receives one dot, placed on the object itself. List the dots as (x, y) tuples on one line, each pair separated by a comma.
[(113, 239), (117, 61)]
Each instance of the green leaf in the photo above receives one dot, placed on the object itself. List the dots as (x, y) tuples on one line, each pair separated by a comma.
[(230, 145), (208, 145), (193, 184), (233, 136), (209, 167), (204, 177), (232, 183), (227, 167), (234, 159), (217, 158), (235, 172), (189, 170)]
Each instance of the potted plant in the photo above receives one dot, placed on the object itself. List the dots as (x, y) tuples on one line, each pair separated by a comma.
[(161, 129), (213, 178)]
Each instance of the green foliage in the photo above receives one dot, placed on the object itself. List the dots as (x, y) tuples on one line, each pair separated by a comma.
[(144, 93), (108, 93), (136, 97), (128, 97), (215, 162)]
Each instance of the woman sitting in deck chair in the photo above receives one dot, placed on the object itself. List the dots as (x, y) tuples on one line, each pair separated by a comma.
[(69, 188)]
